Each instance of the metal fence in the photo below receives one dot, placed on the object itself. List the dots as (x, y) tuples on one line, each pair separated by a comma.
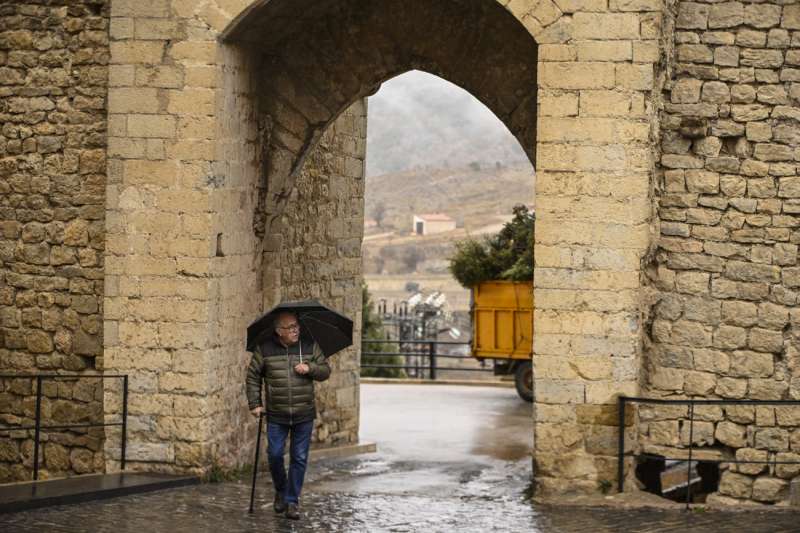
[(37, 426), (622, 404), (421, 357)]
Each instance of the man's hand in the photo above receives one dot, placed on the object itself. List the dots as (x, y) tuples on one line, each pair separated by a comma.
[(301, 368), (256, 411)]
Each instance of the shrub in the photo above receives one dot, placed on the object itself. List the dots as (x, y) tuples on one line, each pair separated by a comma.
[(372, 329), (505, 256)]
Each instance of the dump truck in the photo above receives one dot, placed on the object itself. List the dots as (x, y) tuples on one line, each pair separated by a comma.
[(502, 330)]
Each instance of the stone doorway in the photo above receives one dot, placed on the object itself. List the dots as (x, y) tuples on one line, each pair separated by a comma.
[(309, 83)]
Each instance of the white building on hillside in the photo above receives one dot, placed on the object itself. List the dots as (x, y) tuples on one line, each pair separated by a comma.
[(432, 223)]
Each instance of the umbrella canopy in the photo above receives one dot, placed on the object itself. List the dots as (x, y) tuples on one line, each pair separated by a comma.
[(332, 331)]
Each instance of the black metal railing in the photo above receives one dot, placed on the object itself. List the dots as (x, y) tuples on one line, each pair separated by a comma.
[(37, 426), (417, 351), (622, 408)]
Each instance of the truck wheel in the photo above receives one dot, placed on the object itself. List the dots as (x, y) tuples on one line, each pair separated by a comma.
[(523, 379)]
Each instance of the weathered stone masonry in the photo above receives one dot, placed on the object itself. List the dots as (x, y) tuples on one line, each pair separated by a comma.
[(234, 135), (53, 76), (215, 110), (726, 270)]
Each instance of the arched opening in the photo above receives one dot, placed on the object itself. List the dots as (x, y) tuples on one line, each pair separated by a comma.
[(296, 78), (313, 60), (439, 158)]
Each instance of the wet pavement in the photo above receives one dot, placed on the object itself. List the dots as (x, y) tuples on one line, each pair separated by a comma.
[(451, 458)]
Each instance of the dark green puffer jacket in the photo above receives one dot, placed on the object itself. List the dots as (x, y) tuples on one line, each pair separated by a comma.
[(289, 395)]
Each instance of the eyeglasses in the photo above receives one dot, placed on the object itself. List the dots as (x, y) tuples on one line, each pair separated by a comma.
[(291, 327)]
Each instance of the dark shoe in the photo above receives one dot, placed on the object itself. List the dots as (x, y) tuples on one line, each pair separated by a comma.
[(279, 504), (292, 511)]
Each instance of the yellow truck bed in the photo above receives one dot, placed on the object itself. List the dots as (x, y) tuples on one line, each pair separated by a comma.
[(502, 320)]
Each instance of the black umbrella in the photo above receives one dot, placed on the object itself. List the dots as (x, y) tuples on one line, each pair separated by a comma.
[(332, 331)]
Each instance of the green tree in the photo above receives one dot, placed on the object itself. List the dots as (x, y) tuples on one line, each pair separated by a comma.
[(372, 329), (505, 256)]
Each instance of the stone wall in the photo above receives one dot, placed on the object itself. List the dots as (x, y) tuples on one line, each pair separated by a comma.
[(593, 228), (726, 271), (53, 77), (318, 247), (193, 250)]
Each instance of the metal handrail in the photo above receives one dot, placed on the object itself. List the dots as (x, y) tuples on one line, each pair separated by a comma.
[(430, 353), (37, 427), (621, 409)]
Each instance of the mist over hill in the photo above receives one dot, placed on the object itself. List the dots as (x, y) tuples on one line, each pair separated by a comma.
[(419, 121)]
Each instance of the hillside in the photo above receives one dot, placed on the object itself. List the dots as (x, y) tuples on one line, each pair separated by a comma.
[(480, 200), (474, 198)]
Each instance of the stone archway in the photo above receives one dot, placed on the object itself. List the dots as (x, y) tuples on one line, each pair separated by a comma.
[(307, 119), (316, 58), (208, 139)]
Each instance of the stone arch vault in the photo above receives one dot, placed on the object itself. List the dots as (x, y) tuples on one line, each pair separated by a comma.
[(315, 59)]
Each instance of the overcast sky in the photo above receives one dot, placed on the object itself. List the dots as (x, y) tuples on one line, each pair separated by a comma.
[(418, 120)]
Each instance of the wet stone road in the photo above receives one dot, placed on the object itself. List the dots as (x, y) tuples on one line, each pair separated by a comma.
[(450, 459)]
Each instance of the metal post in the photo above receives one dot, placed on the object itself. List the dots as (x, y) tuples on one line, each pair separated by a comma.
[(124, 419), (255, 464), (621, 444), (432, 359), (37, 423), (689, 469)]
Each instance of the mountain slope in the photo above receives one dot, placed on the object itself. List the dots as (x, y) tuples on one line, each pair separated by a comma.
[(418, 120)]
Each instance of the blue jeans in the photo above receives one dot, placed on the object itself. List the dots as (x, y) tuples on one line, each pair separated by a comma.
[(298, 451)]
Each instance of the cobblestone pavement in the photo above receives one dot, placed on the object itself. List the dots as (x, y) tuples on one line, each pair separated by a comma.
[(400, 489)]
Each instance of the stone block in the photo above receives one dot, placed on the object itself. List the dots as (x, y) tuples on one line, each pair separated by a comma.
[(699, 383), (769, 489), (736, 485), (132, 100), (762, 16), (605, 26), (144, 172), (749, 454), (140, 8), (604, 51), (751, 364), (765, 340), (137, 52), (604, 103), (197, 101), (726, 56), (561, 105), (577, 75), (758, 132), (695, 53), (156, 28), (702, 181), (739, 313), (716, 92), (772, 439), (151, 452), (686, 91), (692, 16), (790, 18), (726, 15), (702, 433), (162, 76), (787, 471), (159, 126)]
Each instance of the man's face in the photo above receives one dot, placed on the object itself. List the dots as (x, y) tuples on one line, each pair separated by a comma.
[(287, 328)]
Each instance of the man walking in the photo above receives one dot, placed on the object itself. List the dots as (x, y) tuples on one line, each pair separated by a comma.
[(288, 365)]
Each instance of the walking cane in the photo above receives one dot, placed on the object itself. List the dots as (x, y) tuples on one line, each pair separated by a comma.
[(255, 465)]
